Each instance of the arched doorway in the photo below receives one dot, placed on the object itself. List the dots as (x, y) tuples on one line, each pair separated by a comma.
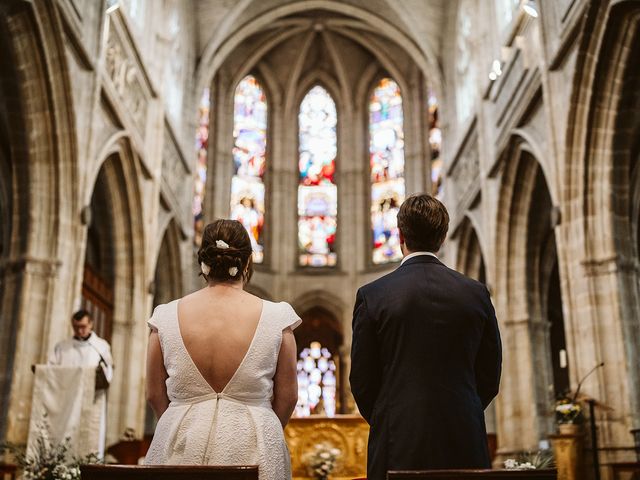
[(529, 302), (114, 279), (99, 266), (319, 340), (544, 295), (470, 261)]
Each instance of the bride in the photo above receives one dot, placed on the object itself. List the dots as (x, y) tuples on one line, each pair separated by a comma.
[(221, 366)]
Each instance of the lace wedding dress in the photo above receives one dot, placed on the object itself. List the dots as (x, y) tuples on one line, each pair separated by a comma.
[(236, 426)]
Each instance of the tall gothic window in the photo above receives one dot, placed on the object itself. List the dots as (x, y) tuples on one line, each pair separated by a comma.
[(317, 190), (386, 153), (435, 144), (249, 160), (465, 74), (202, 143)]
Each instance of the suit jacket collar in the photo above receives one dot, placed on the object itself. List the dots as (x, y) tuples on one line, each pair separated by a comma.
[(421, 259)]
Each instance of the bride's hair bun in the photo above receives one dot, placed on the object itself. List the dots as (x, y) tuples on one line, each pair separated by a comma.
[(226, 250)]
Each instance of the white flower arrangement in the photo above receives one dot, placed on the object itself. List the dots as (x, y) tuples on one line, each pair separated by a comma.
[(48, 460), (511, 464), (321, 460), (540, 460)]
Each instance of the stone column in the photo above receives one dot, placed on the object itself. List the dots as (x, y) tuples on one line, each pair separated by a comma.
[(28, 293)]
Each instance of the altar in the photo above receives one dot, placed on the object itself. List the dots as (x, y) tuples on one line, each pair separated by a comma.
[(347, 433)]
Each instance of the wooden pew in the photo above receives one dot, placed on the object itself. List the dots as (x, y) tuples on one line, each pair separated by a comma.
[(551, 474), (167, 472), (8, 471)]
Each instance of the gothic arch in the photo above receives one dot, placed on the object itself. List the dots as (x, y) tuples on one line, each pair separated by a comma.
[(470, 258), (322, 321), (167, 283), (525, 262), (601, 125), (383, 58), (597, 205), (41, 158), (255, 57), (322, 79), (120, 207), (217, 51), (322, 298)]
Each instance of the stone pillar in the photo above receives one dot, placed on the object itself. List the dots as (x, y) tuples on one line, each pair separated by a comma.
[(30, 291)]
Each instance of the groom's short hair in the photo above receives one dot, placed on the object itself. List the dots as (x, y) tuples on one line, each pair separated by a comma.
[(423, 221)]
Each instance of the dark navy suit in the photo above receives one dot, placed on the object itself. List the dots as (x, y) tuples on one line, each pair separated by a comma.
[(425, 362)]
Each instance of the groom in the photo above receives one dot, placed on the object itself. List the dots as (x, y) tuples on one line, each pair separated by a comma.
[(425, 355)]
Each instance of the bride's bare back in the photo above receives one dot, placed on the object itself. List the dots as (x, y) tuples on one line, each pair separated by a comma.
[(217, 325)]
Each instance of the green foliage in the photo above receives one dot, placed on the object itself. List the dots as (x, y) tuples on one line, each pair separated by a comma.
[(47, 459)]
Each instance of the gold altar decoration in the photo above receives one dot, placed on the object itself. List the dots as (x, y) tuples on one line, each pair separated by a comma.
[(568, 452), (347, 433)]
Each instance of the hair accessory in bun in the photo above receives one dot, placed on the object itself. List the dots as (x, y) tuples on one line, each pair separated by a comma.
[(222, 244), (205, 268), (233, 271)]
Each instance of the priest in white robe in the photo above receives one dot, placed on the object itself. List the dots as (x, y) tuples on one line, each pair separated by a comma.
[(87, 349)]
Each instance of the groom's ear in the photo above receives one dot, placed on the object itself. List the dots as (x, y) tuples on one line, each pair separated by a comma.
[(401, 237)]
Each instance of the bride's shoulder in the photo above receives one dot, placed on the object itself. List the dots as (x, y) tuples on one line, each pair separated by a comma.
[(165, 307), (160, 313), (286, 314)]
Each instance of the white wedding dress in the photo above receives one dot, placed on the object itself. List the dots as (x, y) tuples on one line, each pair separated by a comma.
[(236, 426)]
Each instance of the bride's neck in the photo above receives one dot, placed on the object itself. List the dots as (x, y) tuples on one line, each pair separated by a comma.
[(237, 285)]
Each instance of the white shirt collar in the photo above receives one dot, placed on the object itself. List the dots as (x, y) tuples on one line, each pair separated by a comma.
[(417, 254)]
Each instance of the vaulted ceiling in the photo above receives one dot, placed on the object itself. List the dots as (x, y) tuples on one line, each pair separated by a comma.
[(415, 26)]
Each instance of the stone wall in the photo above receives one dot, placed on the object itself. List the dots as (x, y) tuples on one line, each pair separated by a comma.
[(561, 117), (86, 107)]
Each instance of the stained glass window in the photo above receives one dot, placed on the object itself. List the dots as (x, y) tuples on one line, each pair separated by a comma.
[(386, 153), (317, 190), (202, 142), (249, 160), (435, 143), (316, 382)]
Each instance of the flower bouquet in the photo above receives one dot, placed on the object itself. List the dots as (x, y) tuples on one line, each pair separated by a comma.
[(531, 461), (568, 411), (321, 461), (48, 460)]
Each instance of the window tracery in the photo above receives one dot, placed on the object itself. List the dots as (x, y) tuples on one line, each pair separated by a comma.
[(317, 383)]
